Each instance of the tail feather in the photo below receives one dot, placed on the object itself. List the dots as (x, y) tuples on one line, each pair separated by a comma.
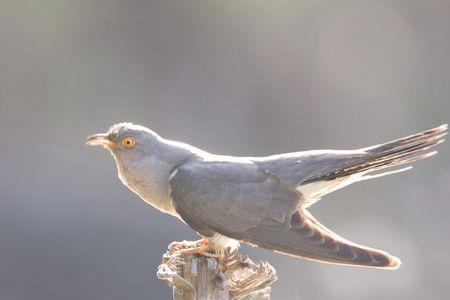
[(331, 170), (387, 155), (308, 239)]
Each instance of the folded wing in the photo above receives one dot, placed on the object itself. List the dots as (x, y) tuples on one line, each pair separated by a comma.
[(247, 203)]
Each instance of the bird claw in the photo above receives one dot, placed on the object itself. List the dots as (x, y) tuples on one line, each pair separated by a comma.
[(197, 250), (188, 244), (200, 247)]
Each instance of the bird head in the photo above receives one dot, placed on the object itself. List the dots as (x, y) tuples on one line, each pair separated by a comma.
[(144, 160), (125, 140)]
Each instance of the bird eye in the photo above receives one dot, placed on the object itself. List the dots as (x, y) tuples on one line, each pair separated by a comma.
[(128, 142)]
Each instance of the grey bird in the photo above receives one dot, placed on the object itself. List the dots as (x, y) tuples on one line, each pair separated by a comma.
[(261, 201)]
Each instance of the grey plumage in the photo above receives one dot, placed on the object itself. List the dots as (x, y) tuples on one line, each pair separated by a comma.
[(261, 201)]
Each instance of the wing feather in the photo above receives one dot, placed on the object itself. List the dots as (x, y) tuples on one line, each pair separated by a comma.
[(245, 202)]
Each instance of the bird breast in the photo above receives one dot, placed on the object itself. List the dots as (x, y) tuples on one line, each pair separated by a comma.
[(150, 181)]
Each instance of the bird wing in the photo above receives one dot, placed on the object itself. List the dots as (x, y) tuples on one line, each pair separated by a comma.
[(248, 203), (230, 198)]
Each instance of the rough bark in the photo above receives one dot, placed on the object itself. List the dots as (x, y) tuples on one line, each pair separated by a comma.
[(230, 276)]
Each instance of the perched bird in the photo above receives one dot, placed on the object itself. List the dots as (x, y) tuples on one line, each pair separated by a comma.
[(262, 201)]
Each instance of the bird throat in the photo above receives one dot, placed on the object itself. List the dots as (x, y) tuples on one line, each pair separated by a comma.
[(148, 179)]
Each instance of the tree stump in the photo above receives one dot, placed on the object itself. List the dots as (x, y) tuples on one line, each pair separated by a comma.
[(230, 276)]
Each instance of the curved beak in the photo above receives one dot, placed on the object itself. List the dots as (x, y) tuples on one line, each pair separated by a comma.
[(99, 139)]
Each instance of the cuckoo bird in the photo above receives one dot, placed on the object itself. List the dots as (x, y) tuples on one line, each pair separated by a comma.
[(262, 201)]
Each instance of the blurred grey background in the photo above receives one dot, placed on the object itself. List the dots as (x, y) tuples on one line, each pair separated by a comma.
[(247, 77)]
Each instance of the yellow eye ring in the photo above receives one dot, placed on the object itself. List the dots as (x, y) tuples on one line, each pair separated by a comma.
[(128, 142)]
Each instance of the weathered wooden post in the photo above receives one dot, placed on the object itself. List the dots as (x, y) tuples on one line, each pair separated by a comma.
[(205, 277)]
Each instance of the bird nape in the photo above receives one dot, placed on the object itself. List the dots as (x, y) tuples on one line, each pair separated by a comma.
[(258, 200)]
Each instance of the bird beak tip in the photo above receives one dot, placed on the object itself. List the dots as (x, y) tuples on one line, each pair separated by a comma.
[(100, 139)]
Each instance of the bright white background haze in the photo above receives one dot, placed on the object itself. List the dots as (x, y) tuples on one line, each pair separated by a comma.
[(236, 77)]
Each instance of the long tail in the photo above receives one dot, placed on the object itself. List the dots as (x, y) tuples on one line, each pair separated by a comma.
[(392, 154), (308, 239)]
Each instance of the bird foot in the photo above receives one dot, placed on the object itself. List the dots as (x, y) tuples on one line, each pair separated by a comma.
[(200, 247), (175, 246)]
